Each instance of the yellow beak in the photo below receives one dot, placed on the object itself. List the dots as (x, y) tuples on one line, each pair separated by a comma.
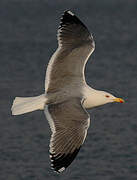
[(120, 100)]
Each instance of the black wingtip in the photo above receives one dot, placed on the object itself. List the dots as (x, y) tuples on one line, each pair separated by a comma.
[(61, 161), (69, 17), (69, 12)]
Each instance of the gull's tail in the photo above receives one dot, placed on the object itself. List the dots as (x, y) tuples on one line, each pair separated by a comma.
[(22, 105)]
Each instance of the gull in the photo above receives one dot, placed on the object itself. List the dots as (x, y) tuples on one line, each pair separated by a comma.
[(67, 95)]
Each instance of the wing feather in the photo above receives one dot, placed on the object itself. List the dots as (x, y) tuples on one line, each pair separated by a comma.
[(75, 45), (71, 122)]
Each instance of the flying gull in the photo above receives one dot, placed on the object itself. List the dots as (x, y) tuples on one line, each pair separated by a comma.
[(67, 95)]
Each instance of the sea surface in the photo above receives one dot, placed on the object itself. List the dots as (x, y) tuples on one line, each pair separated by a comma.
[(27, 41)]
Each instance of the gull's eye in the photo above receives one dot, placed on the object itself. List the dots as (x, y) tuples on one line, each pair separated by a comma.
[(107, 96)]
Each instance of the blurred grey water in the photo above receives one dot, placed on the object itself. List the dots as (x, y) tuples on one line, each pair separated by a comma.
[(27, 40)]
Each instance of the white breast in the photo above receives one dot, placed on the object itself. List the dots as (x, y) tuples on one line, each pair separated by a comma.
[(88, 103), (92, 97)]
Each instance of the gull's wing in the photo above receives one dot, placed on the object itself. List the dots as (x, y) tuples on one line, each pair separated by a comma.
[(69, 122), (75, 45)]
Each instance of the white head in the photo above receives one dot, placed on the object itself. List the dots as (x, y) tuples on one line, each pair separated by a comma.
[(105, 97), (97, 98)]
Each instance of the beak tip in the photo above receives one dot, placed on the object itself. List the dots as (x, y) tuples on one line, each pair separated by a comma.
[(120, 100)]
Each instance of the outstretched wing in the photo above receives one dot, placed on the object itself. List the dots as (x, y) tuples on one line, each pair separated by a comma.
[(75, 45), (69, 122), (72, 33)]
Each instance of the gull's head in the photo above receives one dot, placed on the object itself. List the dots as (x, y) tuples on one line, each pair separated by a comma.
[(98, 98), (106, 97)]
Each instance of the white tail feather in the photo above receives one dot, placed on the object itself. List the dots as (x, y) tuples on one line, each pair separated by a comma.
[(23, 105)]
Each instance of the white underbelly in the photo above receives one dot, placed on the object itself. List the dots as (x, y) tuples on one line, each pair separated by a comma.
[(91, 98), (88, 103)]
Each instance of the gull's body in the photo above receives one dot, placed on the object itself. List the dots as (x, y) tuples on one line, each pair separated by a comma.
[(67, 95)]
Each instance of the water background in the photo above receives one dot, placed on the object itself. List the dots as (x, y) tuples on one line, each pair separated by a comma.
[(27, 40)]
